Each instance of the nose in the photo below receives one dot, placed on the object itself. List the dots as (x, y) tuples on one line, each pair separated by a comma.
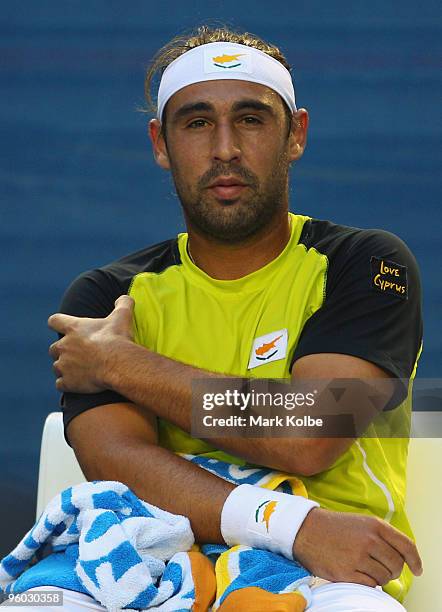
[(225, 143)]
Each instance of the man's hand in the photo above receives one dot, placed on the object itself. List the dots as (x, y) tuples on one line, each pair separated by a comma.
[(347, 547), (84, 355)]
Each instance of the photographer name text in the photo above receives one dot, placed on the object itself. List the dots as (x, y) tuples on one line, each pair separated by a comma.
[(260, 421)]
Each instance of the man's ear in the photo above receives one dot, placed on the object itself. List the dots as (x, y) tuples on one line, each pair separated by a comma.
[(298, 134), (159, 146)]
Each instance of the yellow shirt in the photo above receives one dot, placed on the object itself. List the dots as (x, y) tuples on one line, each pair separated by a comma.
[(325, 290)]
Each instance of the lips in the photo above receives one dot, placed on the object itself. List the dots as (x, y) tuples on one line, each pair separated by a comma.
[(227, 188)]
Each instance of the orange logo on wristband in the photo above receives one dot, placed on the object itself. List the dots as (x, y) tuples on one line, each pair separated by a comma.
[(265, 511)]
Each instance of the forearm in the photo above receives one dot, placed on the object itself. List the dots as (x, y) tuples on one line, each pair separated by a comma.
[(160, 384), (168, 481), (164, 387)]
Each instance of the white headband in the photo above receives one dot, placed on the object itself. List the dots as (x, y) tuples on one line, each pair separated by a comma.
[(221, 60)]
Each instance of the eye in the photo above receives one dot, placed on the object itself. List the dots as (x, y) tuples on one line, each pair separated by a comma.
[(251, 120), (197, 123)]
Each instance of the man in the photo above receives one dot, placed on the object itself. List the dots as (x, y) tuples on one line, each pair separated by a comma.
[(334, 302)]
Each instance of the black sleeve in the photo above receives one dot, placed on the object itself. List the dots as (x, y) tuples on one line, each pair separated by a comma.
[(90, 295), (372, 307)]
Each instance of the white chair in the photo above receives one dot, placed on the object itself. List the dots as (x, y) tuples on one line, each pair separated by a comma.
[(424, 505), (59, 469)]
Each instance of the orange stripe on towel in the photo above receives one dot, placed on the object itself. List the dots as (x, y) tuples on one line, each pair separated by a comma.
[(203, 574), (254, 599)]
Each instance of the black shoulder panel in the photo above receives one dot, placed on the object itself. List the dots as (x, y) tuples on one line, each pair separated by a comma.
[(93, 294), (152, 259), (328, 238), (372, 307)]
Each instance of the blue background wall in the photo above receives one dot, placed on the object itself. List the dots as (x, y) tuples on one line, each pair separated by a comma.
[(79, 187)]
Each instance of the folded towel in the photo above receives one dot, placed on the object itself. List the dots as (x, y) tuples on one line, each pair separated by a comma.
[(128, 554), (247, 569), (108, 543), (244, 474)]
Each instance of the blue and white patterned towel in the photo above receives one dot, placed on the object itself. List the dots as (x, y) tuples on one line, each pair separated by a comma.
[(110, 544), (128, 554)]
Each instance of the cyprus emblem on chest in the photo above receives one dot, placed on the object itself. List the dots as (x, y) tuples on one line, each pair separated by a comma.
[(267, 348)]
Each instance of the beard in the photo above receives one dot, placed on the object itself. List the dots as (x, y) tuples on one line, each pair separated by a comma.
[(235, 220)]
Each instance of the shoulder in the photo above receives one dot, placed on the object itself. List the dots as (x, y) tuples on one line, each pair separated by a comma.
[(372, 306), (351, 246), (329, 238), (94, 292)]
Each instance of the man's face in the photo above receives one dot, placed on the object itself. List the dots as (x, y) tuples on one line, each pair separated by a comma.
[(228, 147)]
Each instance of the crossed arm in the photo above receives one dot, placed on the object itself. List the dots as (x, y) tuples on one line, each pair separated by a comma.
[(119, 442), (99, 354)]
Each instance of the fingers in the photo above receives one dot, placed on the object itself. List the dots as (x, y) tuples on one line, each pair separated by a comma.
[(376, 570), (59, 385), (54, 350), (362, 578), (124, 302), (122, 316), (405, 547), (56, 369), (389, 557), (61, 322)]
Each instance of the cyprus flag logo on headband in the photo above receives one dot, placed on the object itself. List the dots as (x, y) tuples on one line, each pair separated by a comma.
[(226, 62)]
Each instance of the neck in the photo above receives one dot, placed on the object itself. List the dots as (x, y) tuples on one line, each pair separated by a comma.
[(231, 261)]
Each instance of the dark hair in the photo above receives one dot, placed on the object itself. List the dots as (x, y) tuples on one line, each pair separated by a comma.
[(201, 36)]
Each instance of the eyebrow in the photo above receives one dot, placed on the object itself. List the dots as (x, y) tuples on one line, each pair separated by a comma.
[(253, 104), (190, 108), (196, 107)]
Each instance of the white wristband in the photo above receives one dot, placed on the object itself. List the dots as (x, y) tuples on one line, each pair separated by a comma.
[(264, 519)]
